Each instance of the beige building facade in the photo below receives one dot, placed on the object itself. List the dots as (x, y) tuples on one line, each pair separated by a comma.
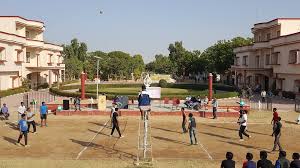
[(25, 55), (273, 60)]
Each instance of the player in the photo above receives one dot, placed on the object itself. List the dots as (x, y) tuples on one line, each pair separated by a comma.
[(115, 123), (43, 113), (184, 130), (277, 133), (30, 120), (21, 110), (192, 129), (23, 130), (243, 124)]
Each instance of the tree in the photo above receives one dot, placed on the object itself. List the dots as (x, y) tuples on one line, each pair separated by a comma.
[(74, 58), (162, 65), (138, 66)]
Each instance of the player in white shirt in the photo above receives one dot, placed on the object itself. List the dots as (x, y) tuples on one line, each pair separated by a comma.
[(243, 124), (21, 110)]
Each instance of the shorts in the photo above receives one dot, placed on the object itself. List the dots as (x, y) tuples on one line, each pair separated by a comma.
[(23, 133), (145, 108), (43, 116)]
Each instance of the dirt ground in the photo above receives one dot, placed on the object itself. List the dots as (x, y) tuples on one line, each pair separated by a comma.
[(66, 138)]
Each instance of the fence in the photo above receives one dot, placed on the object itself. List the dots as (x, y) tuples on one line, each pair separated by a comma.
[(260, 104), (297, 105), (38, 97)]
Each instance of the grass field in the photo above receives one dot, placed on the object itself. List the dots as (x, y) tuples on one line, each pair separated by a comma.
[(64, 141)]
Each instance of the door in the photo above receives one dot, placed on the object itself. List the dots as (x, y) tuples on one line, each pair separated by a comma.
[(266, 83)]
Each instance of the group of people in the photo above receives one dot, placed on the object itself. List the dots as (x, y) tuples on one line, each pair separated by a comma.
[(281, 162), (199, 103), (26, 119)]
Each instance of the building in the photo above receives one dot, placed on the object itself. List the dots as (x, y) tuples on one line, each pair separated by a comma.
[(25, 54), (272, 62)]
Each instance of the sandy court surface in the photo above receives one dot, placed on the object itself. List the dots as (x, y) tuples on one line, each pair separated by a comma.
[(67, 137)]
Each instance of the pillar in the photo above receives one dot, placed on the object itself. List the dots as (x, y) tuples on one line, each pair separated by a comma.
[(83, 77), (210, 83)]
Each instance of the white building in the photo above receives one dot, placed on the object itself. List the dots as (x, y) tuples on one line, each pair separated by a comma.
[(273, 60), (25, 54)]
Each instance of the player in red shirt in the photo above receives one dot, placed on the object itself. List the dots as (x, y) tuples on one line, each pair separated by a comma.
[(275, 116)]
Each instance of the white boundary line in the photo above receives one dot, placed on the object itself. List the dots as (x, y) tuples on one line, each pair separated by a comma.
[(202, 147), (100, 129)]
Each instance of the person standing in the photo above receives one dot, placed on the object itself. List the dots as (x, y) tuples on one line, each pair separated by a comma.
[(5, 112), (205, 102), (43, 114), (30, 120), (249, 163), (184, 120), (228, 163), (296, 162), (115, 123), (282, 162), (277, 133), (77, 104), (215, 105), (263, 95), (243, 124), (144, 103), (192, 129), (23, 127), (21, 110), (264, 162), (275, 117)]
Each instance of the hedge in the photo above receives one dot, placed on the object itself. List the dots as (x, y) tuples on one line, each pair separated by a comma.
[(130, 96), (13, 91), (289, 95)]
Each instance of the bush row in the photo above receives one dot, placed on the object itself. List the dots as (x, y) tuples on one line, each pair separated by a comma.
[(131, 96), (289, 95), (9, 92)]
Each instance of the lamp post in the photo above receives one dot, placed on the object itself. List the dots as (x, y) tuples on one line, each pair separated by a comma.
[(98, 59)]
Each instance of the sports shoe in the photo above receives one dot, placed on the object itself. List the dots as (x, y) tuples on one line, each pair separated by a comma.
[(18, 144), (241, 140), (196, 143), (122, 136), (249, 136), (27, 146), (35, 133)]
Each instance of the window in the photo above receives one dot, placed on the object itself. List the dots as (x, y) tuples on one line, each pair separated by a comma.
[(259, 38), (293, 56), (278, 33), (245, 60), (257, 61), (237, 61), (268, 59), (268, 36), (27, 34), (50, 59), (274, 58), (27, 57), (2, 53)]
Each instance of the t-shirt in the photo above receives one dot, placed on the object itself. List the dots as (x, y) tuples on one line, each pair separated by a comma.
[(250, 164), (275, 116), (4, 110), (192, 122), (295, 164), (244, 119), (215, 103), (23, 125), (30, 116), (21, 109), (183, 117), (43, 109), (284, 163), (264, 163), (228, 164), (114, 118)]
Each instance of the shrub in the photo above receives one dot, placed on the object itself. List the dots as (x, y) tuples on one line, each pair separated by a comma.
[(43, 86), (288, 94), (13, 91), (163, 83)]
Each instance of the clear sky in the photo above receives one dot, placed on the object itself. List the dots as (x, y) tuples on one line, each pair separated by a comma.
[(148, 27)]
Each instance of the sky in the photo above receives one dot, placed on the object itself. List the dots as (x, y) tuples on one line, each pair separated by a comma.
[(148, 27)]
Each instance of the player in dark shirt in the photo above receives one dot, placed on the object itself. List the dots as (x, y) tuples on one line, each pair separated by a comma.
[(296, 162), (264, 162), (115, 123), (184, 120), (228, 163)]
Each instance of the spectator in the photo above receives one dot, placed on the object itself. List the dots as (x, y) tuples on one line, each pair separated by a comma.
[(249, 163), (228, 163), (23, 130), (21, 110), (77, 104), (43, 114), (264, 162), (215, 105), (30, 120), (184, 130), (296, 162), (263, 95), (4, 111), (192, 129), (282, 162), (277, 134)]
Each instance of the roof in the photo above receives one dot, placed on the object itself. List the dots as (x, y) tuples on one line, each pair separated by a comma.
[(276, 20), (23, 19)]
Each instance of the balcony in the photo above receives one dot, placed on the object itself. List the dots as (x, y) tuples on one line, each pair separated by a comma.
[(259, 45), (34, 43)]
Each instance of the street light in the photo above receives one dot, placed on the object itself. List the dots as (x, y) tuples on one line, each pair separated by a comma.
[(98, 58)]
